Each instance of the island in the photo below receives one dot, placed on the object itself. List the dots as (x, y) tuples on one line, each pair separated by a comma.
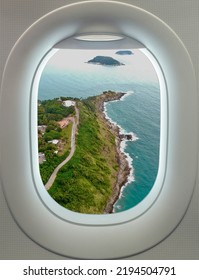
[(105, 60), (124, 52), (91, 181)]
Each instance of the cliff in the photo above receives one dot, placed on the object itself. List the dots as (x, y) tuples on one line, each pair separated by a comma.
[(124, 168)]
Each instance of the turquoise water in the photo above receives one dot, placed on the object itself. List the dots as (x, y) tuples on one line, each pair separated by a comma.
[(137, 113)]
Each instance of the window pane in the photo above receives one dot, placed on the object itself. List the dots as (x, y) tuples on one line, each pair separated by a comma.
[(99, 129)]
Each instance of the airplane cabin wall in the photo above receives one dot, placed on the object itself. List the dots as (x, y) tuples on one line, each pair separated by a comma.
[(183, 17)]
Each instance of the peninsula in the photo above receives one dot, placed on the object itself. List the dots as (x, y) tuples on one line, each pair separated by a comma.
[(91, 180)]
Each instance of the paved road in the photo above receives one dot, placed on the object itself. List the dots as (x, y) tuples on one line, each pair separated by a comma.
[(75, 121)]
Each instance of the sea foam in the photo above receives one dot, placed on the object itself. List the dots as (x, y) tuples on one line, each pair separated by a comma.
[(123, 143)]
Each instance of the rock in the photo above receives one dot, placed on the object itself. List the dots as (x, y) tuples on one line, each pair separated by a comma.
[(128, 137)]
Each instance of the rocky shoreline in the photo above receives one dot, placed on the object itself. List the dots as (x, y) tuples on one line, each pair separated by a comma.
[(124, 168)]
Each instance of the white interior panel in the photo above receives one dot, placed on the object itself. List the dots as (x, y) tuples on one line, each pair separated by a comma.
[(78, 235)]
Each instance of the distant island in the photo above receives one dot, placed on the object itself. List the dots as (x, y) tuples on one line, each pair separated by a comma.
[(125, 52), (105, 60)]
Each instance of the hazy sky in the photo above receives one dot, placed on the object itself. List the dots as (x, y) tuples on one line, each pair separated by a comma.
[(138, 63)]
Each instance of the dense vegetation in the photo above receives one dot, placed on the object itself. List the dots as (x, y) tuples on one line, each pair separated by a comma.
[(105, 60), (86, 182), (49, 113), (52, 110)]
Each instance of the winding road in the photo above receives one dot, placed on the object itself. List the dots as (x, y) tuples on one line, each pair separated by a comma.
[(75, 121)]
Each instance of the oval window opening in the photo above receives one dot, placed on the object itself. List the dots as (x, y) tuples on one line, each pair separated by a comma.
[(98, 128)]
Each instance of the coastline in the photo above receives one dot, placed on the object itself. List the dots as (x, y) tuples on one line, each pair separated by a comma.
[(110, 147), (125, 172)]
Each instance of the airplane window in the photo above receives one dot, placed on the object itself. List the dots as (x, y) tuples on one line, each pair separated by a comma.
[(98, 128), (80, 116)]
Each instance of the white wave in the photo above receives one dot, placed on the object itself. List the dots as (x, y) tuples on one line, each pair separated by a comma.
[(131, 177), (134, 137), (129, 92), (123, 145), (118, 207)]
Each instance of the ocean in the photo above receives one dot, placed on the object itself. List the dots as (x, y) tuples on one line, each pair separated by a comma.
[(138, 112)]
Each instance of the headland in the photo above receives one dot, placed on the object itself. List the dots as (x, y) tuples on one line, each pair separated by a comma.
[(91, 181)]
